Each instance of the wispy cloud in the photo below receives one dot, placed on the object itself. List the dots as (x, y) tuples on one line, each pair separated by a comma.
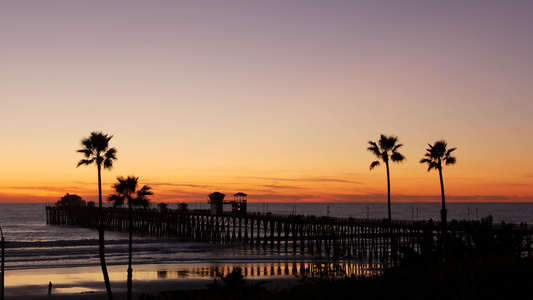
[(38, 189), (485, 198), (304, 179), (178, 185), (382, 198), (519, 130), (285, 187)]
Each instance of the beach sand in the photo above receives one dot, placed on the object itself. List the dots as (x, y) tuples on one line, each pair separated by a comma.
[(96, 290), (87, 282)]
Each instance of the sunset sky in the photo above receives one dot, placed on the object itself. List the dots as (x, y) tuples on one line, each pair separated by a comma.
[(276, 99)]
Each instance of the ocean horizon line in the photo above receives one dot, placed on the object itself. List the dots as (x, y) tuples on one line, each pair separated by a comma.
[(315, 202)]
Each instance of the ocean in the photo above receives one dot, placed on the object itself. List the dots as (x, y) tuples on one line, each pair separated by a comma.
[(32, 244)]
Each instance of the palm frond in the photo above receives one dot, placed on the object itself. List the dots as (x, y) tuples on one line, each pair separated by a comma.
[(108, 164), (111, 153), (449, 160), (142, 199), (131, 183), (85, 162), (144, 191), (100, 141), (86, 143), (92, 148), (450, 151), (383, 143), (140, 202), (374, 148), (116, 199), (374, 164), (437, 153), (109, 158), (126, 188), (425, 160), (396, 147), (388, 143), (386, 148), (397, 157), (434, 165), (440, 144), (86, 152)]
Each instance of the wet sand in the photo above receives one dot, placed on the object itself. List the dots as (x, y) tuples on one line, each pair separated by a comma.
[(87, 282), (96, 290)]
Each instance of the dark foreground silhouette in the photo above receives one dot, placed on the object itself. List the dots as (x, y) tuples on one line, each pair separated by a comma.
[(489, 268), (486, 278)]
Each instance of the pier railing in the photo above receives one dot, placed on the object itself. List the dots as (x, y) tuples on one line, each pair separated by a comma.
[(373, 240)]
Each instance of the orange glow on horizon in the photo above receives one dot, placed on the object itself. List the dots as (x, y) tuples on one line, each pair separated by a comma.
[(410, 182), (282, 115), (291, 190)]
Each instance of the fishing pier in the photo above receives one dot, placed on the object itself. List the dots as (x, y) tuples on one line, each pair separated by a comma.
[(365, 239)]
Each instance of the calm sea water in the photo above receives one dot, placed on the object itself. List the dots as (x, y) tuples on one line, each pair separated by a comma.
[(30, 243)]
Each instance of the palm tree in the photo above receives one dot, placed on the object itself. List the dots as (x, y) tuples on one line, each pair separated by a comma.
[(95, 149), (437, 154), (386, 149), (126, 190)]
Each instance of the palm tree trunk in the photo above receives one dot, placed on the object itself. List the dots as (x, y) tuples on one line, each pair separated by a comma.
[(443, 214), (392, 238), (101, 238), (443, 211), (388, 192), (130, 270)]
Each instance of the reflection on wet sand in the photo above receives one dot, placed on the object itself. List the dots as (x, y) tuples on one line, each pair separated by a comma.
[(255, 270)]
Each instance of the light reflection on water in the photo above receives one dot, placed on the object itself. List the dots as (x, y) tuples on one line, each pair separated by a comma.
[(83, 275), (73, 290), (253, 270)]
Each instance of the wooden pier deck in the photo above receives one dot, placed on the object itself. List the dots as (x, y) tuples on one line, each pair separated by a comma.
[(363, 239)]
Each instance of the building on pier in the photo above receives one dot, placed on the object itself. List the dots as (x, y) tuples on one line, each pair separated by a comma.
[(216, 200), (183, 207), (70, 200), (162, 207), (238, 205)]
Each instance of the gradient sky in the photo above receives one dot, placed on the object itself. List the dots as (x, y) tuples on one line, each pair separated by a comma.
[(276, 99)]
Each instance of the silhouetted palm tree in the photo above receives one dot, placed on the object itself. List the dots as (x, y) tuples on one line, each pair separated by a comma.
[(437, 154), (386, 149), (126, 190), (95, 149)]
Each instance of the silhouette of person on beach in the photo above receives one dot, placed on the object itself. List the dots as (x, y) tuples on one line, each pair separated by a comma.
[(50, 288)]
